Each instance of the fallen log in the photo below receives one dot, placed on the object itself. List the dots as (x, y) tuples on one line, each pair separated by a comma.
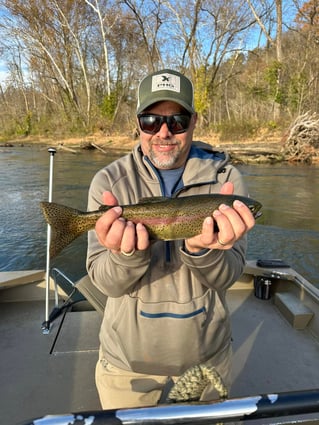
[(65, 148), (98, 147)]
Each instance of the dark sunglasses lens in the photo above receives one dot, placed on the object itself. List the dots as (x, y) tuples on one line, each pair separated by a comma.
[(178, 123), (151, 124)]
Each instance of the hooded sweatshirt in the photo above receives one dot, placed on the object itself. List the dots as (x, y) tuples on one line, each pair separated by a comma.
[(166, 309)]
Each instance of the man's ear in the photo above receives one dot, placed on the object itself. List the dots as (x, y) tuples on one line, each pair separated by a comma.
[(194, 118)]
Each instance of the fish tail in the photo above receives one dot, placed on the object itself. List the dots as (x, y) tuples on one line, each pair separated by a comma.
[(65, 225)]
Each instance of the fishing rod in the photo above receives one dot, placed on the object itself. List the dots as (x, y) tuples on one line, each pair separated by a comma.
[(46, 324), (230, 410)]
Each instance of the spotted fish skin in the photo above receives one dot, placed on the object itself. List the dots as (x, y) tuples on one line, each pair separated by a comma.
[(164, 218), (191, 385)]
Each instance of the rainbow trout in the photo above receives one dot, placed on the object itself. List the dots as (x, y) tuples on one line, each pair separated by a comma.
[(165, 218)]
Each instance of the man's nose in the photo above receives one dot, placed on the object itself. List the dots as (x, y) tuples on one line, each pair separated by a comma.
[(164, 131)]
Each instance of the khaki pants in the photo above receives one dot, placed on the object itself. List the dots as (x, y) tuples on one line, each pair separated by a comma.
[(119, 389)]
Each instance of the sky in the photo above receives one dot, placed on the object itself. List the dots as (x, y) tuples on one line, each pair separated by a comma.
[(3, 72), (289, 12)]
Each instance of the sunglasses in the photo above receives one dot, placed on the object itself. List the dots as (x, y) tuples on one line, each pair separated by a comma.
[(152, 123)]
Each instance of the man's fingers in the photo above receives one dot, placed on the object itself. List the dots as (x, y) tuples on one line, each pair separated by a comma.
[(109, 228), (143, 240), (109, 199), (227, 188)]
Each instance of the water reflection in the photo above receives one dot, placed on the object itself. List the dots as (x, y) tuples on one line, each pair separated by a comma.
[(289, 194), (288, 228)]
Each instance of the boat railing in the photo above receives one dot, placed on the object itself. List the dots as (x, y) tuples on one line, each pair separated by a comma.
[(56, 274), (275, 406), (60, 279)]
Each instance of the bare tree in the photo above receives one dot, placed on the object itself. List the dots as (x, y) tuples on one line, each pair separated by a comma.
[(275, 41), (148, 16), (76, 64), (95, 5), (304, 56), (74, 39), (208, 32), (52, 38)]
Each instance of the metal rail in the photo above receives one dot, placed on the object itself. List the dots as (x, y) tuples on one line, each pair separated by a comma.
[(58, 310), (237, 409), (46, 324)]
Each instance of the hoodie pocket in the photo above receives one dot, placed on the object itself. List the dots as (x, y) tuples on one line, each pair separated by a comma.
[(168, 337)]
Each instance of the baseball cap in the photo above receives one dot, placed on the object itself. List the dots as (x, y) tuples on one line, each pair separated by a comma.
[(165, 84)]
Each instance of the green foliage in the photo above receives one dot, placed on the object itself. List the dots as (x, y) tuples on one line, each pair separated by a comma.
[(108, 106), (201, 91), (24, 125), (298, 86), (271, 125), (273, 78), (271, 74), (18, 126), (109, 103), (258, 92)]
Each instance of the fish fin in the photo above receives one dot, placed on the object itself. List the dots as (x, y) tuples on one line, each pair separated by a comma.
[(153, 199), (62, 220)]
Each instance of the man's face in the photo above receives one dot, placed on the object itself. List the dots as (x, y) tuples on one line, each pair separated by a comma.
[(164, 149)]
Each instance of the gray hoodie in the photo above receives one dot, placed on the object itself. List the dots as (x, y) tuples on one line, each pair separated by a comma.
[(166, 309)]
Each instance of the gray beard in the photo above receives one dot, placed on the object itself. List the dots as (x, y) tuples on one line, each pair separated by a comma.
[(165, 162)]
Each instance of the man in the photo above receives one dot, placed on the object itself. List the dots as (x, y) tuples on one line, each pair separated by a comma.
[(166, 308)]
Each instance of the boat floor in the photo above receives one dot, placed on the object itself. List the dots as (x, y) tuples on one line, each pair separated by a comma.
[(43, 375)]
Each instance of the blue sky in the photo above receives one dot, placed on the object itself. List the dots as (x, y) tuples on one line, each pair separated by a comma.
[(3, 72), (289, 12)]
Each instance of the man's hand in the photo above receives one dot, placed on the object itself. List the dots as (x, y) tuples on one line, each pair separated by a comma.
[(233, 223), (117, 234)]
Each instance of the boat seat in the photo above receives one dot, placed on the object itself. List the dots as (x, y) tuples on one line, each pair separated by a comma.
[(293, 309), (93, 295)]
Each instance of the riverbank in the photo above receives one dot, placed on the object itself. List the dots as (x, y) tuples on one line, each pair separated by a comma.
[(264, 149)]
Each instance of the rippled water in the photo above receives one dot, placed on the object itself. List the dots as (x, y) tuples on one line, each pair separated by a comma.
[(288, 229)]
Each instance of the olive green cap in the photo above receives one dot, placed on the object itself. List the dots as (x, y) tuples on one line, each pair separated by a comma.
[(162, 85)]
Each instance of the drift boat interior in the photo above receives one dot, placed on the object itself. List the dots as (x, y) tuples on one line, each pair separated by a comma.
[(47, 369)]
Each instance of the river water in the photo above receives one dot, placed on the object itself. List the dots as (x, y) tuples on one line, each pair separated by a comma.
[(288, 229)]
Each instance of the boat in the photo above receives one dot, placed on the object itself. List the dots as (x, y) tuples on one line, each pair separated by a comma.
[(47, 364)]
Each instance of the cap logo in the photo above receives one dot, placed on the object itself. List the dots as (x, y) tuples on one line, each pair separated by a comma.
[(166, 82)]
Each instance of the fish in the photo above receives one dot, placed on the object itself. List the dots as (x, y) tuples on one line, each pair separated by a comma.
[(191, 384), (165, 218)]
